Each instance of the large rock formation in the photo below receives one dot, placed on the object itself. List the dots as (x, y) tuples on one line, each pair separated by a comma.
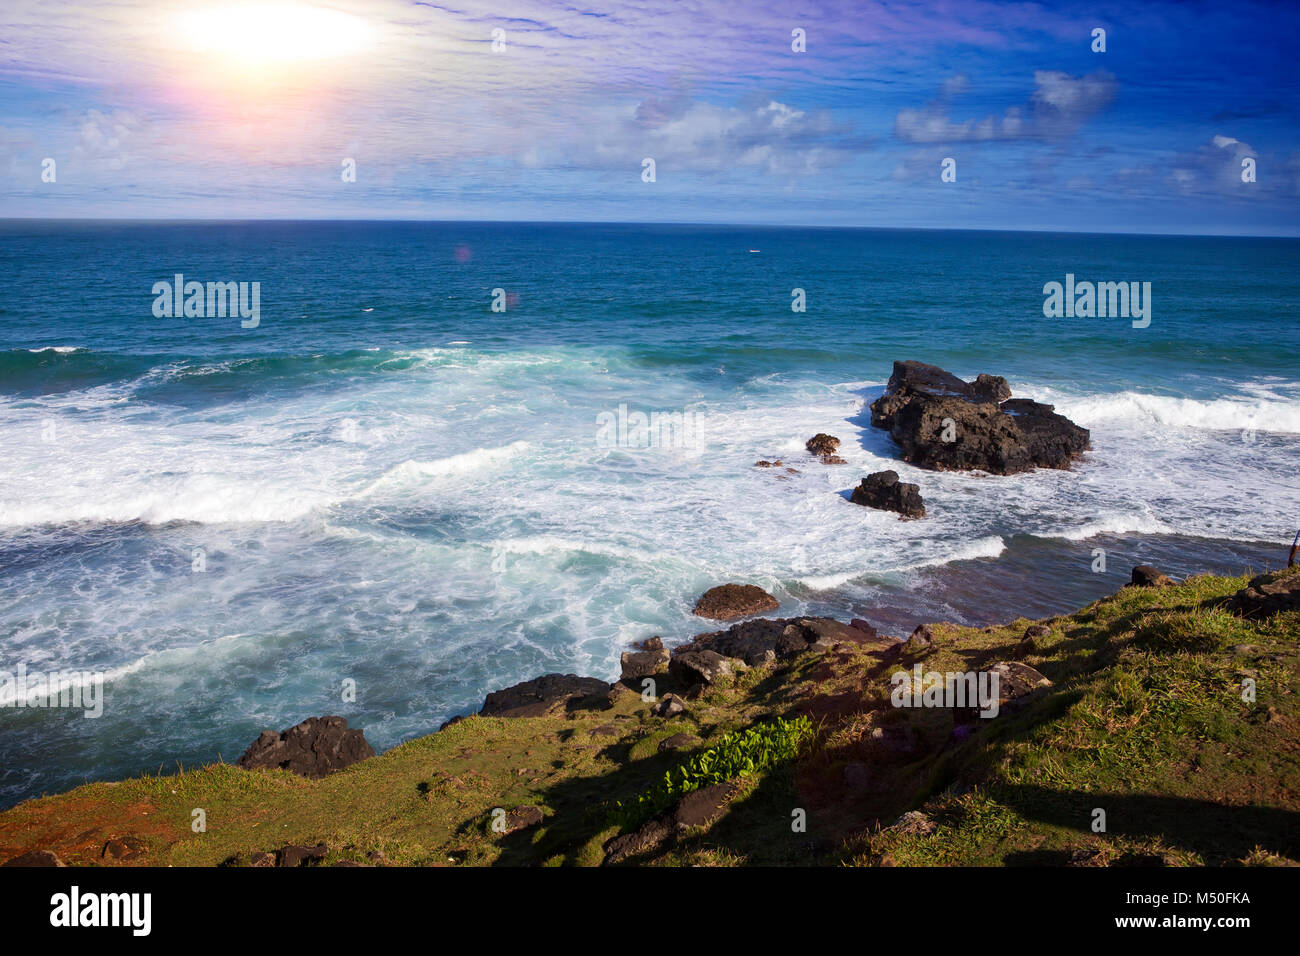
[(729, 601), (885, 492), (946, 424), (314, 748)]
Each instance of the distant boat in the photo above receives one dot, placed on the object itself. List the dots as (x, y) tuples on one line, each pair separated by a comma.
[(755, 250)]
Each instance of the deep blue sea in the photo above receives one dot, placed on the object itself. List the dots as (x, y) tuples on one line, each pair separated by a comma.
[(388, 482)]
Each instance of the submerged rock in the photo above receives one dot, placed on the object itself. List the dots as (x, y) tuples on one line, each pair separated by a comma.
[(728, 601), (885, 492), (314, 748), (944, 423)]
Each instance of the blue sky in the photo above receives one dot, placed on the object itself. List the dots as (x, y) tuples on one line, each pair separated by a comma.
[(238, 109)]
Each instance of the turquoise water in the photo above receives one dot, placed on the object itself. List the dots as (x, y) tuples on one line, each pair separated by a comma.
[(389, 482)]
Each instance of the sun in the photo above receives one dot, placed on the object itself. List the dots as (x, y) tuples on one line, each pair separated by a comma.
[(267, 35)]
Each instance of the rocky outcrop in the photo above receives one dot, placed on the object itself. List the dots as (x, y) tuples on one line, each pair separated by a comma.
[(544, 695), (765, 639), (637, 665), (34, 858), (885, 492), (728, 601), (1268, 594), (822, 444), (314, 748), (946, 424), (702, 667), (1145, 576)]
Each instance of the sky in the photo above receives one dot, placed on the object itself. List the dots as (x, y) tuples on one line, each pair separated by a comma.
[(834, 113)]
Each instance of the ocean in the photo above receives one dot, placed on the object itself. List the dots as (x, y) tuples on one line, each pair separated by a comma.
[(388, 482)]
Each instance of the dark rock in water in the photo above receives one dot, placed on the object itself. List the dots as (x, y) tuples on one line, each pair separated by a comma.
[(313, 748), (728, 601), (1145, 576), (833, 460), (884, 491), (650, 644), (34, 858), (1268, 594), (543, 695), (944, 423), (822, 444), (702, 667), (764, 463)]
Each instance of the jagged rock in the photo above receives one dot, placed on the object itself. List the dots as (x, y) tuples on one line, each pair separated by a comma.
[(639, 664), (987, 430), (833, 460), (822, 444), (701, 807), (650, 837), (314, 748), (543, 695), (885, 492), (34, 858), (768, 464), (1035, 631), (702, 667), (301, 855), (670, 705), (1145, 576), (261, 859), (920, 639), (728, 601), (761, 641), (864, 627), (650, 644), (1268, 594)]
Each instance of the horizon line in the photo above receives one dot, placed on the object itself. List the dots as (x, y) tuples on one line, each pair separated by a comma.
[(618, 222)]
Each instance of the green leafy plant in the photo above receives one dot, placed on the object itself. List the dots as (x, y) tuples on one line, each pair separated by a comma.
[(738, 754)]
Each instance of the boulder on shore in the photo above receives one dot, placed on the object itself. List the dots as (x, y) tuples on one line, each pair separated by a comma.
[(885, 492), (314, 748), (946, 424), (728, 601), (1145, 576), (543, 695)]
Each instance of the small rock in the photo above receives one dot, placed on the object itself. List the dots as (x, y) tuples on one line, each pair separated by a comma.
[(1145, 576), (914, 822), (124, 848), (822, 444), (920, 639), (647, 839), (678, 742), (262, 859), (522, 817), (1268, 594), (670, 705), (301, 855)]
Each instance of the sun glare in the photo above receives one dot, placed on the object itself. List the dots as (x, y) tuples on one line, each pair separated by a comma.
[(265, 35)]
